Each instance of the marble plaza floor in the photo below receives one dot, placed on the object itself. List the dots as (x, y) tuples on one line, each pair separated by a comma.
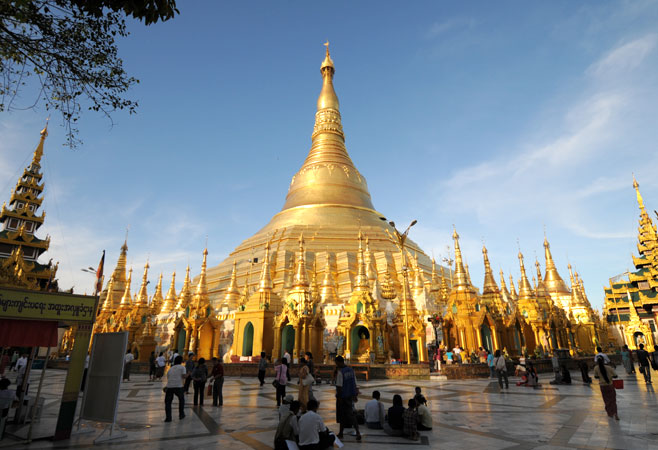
[(467, 414)]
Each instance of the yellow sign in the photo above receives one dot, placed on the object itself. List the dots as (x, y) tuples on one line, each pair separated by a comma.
[(22, 304)]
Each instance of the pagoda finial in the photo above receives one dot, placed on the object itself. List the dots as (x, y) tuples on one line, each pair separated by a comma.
[(524, 286), (361, 283), (142, 296), (490, 285), (185, 295), (328, 292), (636, 185), (460, 278), (170, 299), (328, 98), (201, 293), (157, 299), (265, 283), (301, 276), (125, 300), (38, 152)]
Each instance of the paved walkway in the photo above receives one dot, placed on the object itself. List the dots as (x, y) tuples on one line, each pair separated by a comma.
[(467, 414)]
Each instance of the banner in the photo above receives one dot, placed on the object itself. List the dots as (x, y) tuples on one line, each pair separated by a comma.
[(24, 304)]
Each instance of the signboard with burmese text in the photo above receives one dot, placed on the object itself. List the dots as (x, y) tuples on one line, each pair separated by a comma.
[(37, 305)]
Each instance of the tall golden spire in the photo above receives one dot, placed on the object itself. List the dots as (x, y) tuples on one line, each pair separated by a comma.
[(419, 281), (361, 282), (512, 288), (444, 290), (185, 296), (640, 201), (200, 299), (434, 280), (232, 295), (328, 175), (460, 279), (108, 305), (119, 273), (328, 292), (126, 301), (371, 272), (490, 286), (552, 279), (265, 283), (156, 301), (525, 290), (142, 299), (38, 152), (503, 285), (301, 275), (576, 297), (170, 299)]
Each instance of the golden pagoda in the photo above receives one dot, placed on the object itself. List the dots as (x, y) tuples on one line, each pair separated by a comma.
[(19, 247), (631, 296)]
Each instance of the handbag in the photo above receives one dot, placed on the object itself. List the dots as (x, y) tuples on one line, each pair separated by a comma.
[(275, 383), (618, 384), (209, 390)]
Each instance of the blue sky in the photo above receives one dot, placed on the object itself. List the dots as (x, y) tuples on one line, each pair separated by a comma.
[(502, 118)]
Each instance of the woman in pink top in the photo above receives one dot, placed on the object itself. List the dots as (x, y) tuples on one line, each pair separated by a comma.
[(280, 379)]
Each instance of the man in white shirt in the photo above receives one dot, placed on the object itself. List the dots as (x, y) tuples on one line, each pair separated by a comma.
[(175, 379), (600, 354), (313, 434), (21, 362), (374, 412), (127, 363)]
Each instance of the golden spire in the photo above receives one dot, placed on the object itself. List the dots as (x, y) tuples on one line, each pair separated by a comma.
[(525, 289), (631, 307), (156, 301), (142, 299), (512, 287), (419, 282), (301, 276), (370, 270), (232, 295), (185, 295), (170, 299), (328, 175), (490, 285), (460, 279), (576, 297), (328, 292), (119, 273), (265, 283), (38, 152), (445, 289), (108, 305), (552, 280), (434, 284), (640, 201), (200, 298), (126, 302), (503, 285), (361, 282)]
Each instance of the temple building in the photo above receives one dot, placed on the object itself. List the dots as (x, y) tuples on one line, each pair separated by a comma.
[(329, 274), (20, 248), (631, 299)]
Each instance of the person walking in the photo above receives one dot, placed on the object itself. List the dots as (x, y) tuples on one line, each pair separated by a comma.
[(175, 378), (313, 433), (305, 381), (584, 370), (280, 379), (160, 363), (14, 358), (500, 366), (189, 367), (127, 363), (490, 359), (605, 374), (152, 367), (644, 361), (262, 367), (627, 360), (199, 378), (346, 395), (288, 428), (4, 362), (217, 382), (310, 364)]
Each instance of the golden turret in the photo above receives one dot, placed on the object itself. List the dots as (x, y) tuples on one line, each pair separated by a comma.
[(444, 290), (200, 298), (142, 300), (185, 296), (361, 282), (38, 152), (232, 296), (265, 283), (126, 301), (490, 286), (315, 289), (460, 278), (419, 280), (264, 297), (157, 299), (576, 296), (108, 304), (328, 292), (301, 275), (370, 269), (512, 291), (434, 280), (552, 279), (525, 290), (170, 298), (640, 201)]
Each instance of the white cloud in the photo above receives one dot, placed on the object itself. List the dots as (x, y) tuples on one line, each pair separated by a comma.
[(446, 26), (624, 58)]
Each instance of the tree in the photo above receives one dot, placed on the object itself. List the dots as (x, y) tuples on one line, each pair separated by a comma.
[(68, 47)]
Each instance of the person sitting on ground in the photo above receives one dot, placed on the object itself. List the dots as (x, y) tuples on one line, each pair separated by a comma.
[(288, 428), (410, 418), (449, 357), (418, 393), (395, 418), (313, 433), (374, 412), (424, 415), (285, 405)]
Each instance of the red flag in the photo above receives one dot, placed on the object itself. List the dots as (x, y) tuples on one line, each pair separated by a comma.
[(99, 275)]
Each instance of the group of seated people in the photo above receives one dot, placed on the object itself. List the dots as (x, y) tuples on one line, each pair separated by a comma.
[(310, 433), (528, 374), (399, 421)]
